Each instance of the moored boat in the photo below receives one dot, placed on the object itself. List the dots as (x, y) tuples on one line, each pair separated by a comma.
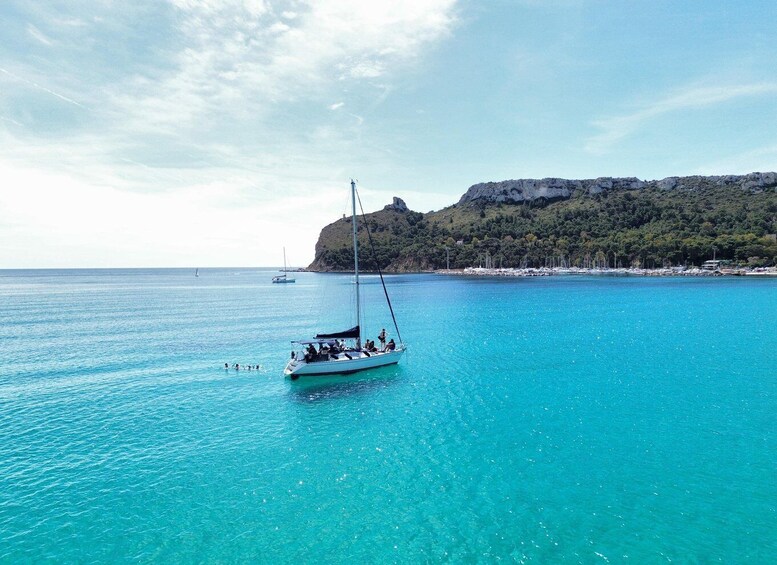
[(284, 278), (343, 352)]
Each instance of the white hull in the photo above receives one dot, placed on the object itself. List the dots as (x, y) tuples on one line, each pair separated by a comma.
[(284, 278), (342, 365)]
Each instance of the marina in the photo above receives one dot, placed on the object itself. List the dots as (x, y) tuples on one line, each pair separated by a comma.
[(637, 272)]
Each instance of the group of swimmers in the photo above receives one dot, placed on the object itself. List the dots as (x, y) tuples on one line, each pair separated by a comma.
[(237, 367)]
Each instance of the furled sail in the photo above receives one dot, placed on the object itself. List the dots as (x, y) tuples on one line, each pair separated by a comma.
[(353, 333)]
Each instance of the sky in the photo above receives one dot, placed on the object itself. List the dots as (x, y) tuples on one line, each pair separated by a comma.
[(185, 133)]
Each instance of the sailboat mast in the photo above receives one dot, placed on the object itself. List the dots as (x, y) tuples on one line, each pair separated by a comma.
[(284, 260), (355, 260)]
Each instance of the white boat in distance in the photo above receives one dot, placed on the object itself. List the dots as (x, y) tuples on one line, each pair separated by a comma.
[(343, 352), (284, 278)]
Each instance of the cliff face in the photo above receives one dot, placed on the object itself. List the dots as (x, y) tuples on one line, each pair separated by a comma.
[(527, 190)]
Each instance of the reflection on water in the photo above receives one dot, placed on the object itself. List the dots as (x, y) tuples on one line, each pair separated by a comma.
[(318, 389)]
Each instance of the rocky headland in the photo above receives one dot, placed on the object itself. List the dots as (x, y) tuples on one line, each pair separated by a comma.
[(607, 222)]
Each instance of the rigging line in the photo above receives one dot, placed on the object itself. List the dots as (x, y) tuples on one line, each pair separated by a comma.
[(380, 273)]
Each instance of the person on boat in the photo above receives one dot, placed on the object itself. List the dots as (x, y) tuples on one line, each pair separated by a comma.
[(391, 346), (382, 338), (312, 351), (226, 366)]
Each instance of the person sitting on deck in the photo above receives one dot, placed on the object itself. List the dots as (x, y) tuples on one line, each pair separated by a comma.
[(391, 346), (311, 353)]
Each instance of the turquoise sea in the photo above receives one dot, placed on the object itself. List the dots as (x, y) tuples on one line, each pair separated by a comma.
[(543, 420)]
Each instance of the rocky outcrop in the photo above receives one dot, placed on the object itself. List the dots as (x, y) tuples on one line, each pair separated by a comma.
[(334, 251), (528, 190), (398, 205)]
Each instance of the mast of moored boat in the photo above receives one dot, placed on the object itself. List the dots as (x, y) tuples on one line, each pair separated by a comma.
[(356, 262), (284, 261)]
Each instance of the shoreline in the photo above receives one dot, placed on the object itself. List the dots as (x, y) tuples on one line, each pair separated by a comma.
[(635, 272)]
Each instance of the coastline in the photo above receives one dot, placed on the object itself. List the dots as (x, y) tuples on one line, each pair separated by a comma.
[(637, 272)]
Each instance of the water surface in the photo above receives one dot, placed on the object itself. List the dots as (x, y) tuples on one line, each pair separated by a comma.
[(576, 419)]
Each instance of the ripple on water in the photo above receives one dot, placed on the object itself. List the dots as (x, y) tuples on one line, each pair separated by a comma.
[(536, 421)]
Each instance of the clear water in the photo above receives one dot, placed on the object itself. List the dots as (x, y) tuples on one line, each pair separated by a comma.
[(562, 419)]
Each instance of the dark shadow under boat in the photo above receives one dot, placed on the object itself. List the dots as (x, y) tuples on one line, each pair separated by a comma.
[(319, 389)]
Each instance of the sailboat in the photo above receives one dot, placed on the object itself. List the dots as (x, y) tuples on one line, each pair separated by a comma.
[(197, 272), (343, 352), (284, 278)]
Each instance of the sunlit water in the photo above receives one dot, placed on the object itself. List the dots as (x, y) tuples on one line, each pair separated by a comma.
[(533, 420)]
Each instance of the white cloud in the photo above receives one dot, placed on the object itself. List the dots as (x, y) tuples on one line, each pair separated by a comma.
[(214, 147), (38, 35), (617, 128), (760, 159), (59, 220), (41, 88), (279, 27), (366, 69), (11, 121), (239, 57)]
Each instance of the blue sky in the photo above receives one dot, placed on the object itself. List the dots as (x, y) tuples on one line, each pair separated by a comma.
[(205, 133)]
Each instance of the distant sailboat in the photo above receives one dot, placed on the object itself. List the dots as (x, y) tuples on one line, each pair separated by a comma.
[(197, 272), (284, 278)]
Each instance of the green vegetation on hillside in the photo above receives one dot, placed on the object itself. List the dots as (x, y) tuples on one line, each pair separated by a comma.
[(649, 227)]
